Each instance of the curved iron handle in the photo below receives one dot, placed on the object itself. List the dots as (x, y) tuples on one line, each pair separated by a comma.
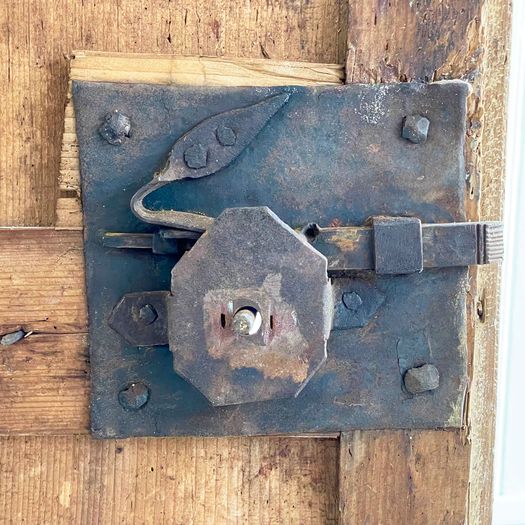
[(205, 149)]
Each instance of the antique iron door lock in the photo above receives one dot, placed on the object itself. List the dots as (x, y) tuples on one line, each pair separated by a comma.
[(298, 262)]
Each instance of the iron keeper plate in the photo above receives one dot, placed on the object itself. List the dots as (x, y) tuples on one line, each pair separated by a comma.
[(331, 155)]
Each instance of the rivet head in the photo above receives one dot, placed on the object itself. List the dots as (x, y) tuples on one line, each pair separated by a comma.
[(196, 156), (415, 129), (226, 136), (352, 301), (148, 314), (134, 396), (421, 379), (115, 128)]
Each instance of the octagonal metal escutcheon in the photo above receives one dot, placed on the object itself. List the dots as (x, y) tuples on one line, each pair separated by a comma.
[(249, 260)]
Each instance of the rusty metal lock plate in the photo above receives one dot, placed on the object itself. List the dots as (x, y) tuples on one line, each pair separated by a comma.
[(330, 155)]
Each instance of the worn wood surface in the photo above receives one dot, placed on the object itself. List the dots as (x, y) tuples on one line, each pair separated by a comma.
[(42, 281), (76, 480), (434, 40), (44, 381), (402, 477), (481, 421)]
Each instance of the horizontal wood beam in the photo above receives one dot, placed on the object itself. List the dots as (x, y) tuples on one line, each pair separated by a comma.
[(78, 480)]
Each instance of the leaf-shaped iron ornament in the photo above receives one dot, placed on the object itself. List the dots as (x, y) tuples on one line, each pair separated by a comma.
[(205, 149)]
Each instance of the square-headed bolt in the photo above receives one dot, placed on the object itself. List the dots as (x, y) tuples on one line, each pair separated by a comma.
[(415, 128)]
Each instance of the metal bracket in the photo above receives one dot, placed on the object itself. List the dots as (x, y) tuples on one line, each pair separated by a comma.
[(398, 245), (267, 322)]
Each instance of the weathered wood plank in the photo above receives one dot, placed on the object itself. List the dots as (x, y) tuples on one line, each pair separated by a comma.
[(44, 385), (44, 378), (433, 40), (37, 36), (74, 479), (97, 66), (42, 281), (400, 476), (481, 421), (399, 41)]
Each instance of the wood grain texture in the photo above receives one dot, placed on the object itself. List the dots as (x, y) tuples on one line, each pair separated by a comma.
[(481, 420), (76, 480), (434, 40), (42, 281), (38, 35), (164, 69), (96, 66), (44, 385), (400, 41), (402, 477), (44, 379)]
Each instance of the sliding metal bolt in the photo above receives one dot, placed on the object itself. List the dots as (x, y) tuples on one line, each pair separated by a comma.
[(246, 321)]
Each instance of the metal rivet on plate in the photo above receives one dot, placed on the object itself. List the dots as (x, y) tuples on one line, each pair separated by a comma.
[(415, 128), (421, 379), (115, 128), (134, 396)]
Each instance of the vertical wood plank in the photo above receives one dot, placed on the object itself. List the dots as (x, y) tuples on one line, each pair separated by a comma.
[(394, 477), (481, 421), (430, 40)]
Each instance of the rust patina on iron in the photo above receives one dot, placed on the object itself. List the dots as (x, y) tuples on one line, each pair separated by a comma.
[(324, 155), (249, 259)]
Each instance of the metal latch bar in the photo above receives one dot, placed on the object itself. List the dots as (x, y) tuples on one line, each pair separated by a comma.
[(444, 245), (349, 248)]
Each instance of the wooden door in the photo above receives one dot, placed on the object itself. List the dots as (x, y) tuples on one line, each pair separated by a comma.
[(51, 471)]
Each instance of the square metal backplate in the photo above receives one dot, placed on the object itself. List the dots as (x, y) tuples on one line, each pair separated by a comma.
[(331, 155)]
